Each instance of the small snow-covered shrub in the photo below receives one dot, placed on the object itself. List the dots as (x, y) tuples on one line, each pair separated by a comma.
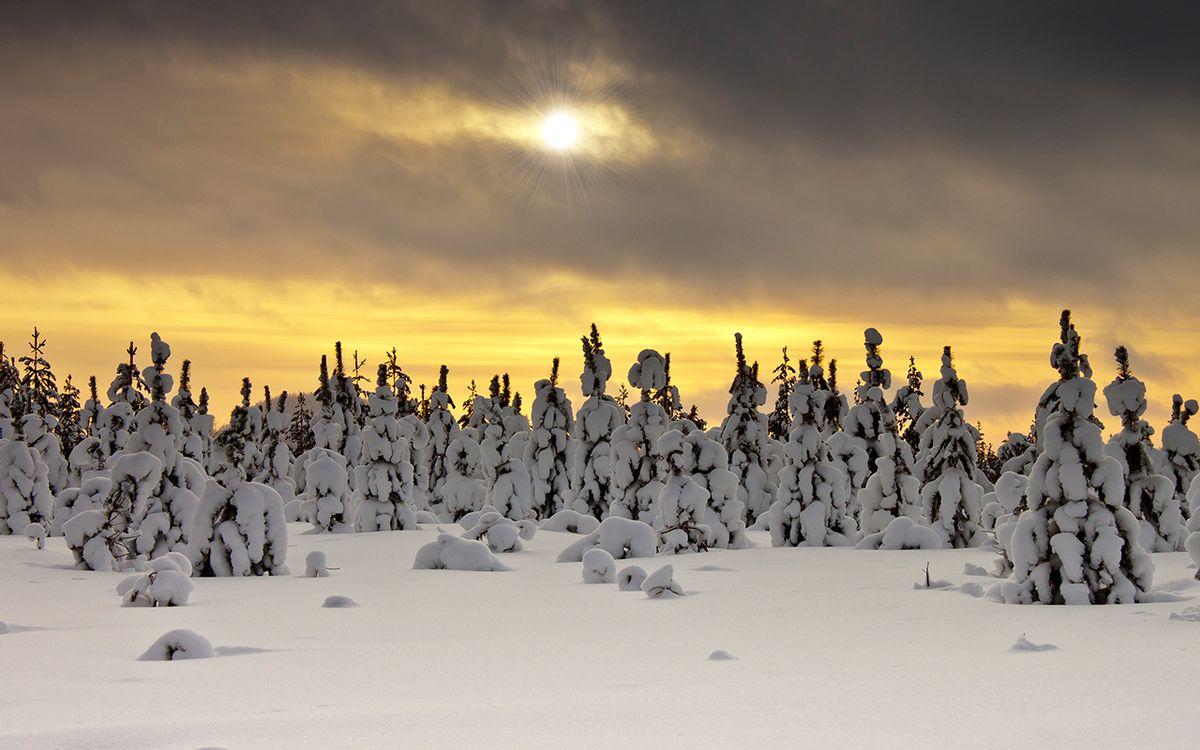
[(449, 552), (903, 533), (621, 537), (598, 566), (88, 496), (315, 565), (328, 502), (166, 582), (630, 578), (24, 488), (571, 522), (36, 533), (239, 531), (179, 644), (661, 584), (500, 533)]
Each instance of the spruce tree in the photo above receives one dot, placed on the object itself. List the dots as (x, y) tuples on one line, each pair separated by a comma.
[(636, 479), (1181, 449), (907, 405), (1149, 495), (744, 435), (780, 421), (1076, 543), (443, 429), (39, 423), (70, 423), (547, 454), (385, 478), (596, 423)]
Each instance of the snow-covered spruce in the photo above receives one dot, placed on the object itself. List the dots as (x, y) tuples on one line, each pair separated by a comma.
[(570, 522), (951, 499), (1050, 401), (630, 578), (449, 552), (1076, 543), (277, 458), (1017, 453), (443, 429), (779, 421), (744, 435), (635, 473), (328, 501), (177, 645), (166, 582), (682, 502), (907, 406), (661, 584), (384, 482), (1181, 449), (547, 454), (810, 507), (239, 443), (238, 530), (596, 423), (512, 490), (24, 488), (110, 537), (459, 492), (708, 465), (902, 533), (501, 534), (158, 431), (620, 537), (195, 440), (1149, 495), (598, 566)]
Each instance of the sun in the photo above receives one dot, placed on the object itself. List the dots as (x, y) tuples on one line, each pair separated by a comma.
[(559, 131)]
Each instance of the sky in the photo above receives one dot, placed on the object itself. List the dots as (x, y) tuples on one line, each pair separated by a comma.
[(257, 180)]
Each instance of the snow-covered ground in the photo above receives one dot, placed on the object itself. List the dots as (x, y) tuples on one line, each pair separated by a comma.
[(830, 647)]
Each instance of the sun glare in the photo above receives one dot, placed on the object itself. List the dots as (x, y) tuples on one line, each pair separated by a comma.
[(560, 131)]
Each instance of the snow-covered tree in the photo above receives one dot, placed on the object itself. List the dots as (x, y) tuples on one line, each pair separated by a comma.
[(38, 423), (385, 478), (1049, 402), (1181, 449), (708, 465), (25, 496), (951, 498), (109, 538), (595, 426), (1149, 495), (241, 439), (460, 492), (71, 428), (1017, 453), (443, 429), (682, 502), (811, 502), (891, 491), (635, 472), (327, 502), (1076, 543), (780, 421), (547, 453), (907, 406), (239, 531), (744, 435), (299, 434), (511, 493), (277, 458)]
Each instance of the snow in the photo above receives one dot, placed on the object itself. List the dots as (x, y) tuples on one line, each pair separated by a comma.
[(630, 578), (661, 584), (598, 566), (833, 629), (177, 645), (621, 537)]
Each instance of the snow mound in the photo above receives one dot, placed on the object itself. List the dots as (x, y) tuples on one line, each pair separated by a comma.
[(631, 577), (337, 601), (571, 522), (621, 537), (179, 644), (425, 516), (720, 655), (315, 565), (715, 569), (661, 584), (975, 570), (1024, 645), (1191, 614), (902, 533), (449, 552), (3, 627), (972, 589), (598, 566), (165, 582), (500, 533)]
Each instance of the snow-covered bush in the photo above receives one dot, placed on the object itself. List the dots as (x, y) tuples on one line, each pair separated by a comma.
[(1076, 543), (952, 500), (449, 552), (110, 537), (630, 578), (635, 472), (902, 533), (661, 584), (443, 429), (238, 530), (1181, 449), (177, 645), (512, 492), (239, 443), (571, 522), (500, 533), (595, 427), (459, 492), (384, 481), (810, 507), (24, 488), (547, 454), (682, 502), (277, 458), (744, 435), (621, 537), (316, 565), (1149, 495), (1016, 453), (598, 566), (708, 465), (166, 582), (327, 502)]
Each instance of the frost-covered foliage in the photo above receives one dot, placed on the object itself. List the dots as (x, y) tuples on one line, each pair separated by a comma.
[(621, 537), (166, 582), (744, 435), (238, 531), (636, 479), (1001, 509), (1181, 449), (158, 431), (449, 552), (708, 465), (89, 495), (277, 458), (460, 492), (547, 454), (501, 534), (328, 501), (240, 441), (682, 502), (1076, 543), (907, 406), (384, 481), (902, 533), (1061, 360), (779, 422), (570, 522), (891, 491), (1149, 495), (178, 645), (1016, 453), (443, 429), (512, 491), (952, 500), (24, 488), (595, 427), (111, 536), (598, 566), (661, 584), (810, 507)]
